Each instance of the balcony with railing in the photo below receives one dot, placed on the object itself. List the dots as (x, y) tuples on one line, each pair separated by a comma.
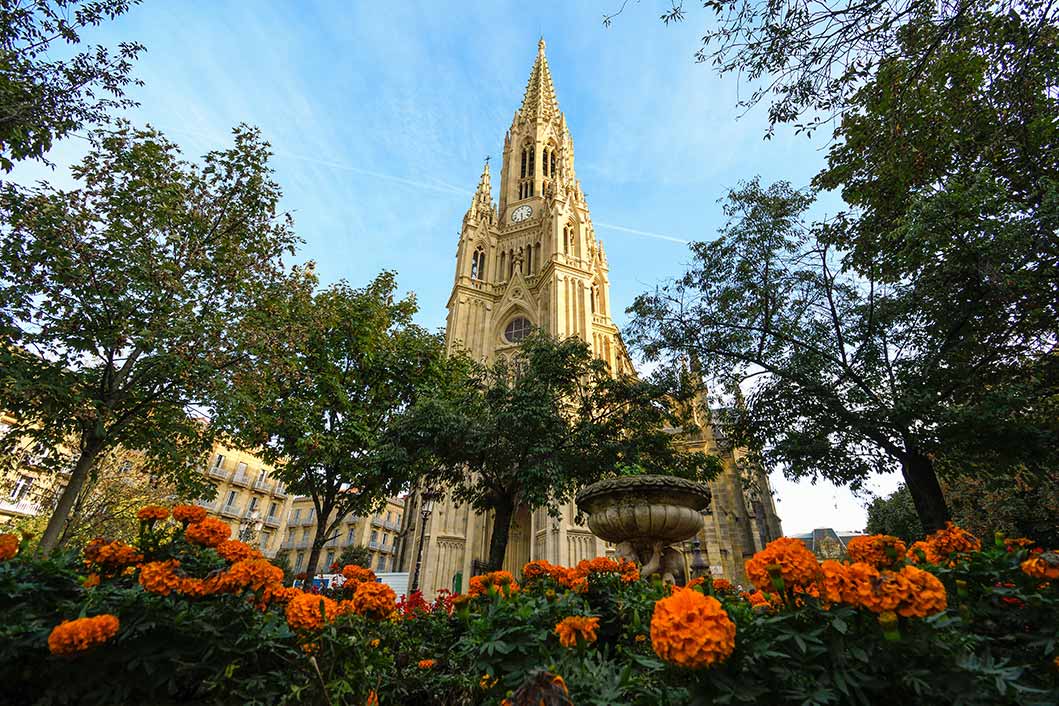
[(207, 505), (241, 479), (392, 526), (376, 522), (279, 491), (262, 485), (230, 510), (218, 472), (19, 507), (374, 545), (272, 521)]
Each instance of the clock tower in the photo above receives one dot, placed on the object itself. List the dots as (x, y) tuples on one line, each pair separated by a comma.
[(533, 261)]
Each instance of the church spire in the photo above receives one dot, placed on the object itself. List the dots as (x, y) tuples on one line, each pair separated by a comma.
[(482, 203), (539, 102)]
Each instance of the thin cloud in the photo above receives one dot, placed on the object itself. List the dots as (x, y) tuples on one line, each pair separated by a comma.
[(644, 233)]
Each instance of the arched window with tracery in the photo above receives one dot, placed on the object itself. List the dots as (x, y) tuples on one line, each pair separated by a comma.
[(526, 171)]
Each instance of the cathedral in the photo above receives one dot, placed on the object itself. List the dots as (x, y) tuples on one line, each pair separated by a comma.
[(533, 261)]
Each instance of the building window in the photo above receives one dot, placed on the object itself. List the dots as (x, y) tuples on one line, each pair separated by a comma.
[(231, 498), (266, 537), (305, 533), (272, 509), (389, 516), (22, 486), (296, 515), (252, 506), (299, 560), (349, 535), (330, 559), (219, 461), (517, 330), (478, 264), (374, 537)]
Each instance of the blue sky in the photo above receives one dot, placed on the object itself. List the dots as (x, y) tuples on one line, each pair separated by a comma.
[(380, 118)]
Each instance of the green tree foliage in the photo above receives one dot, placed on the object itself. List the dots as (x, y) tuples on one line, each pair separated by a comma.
[(44, 98), (121, 302), (333, 370), (530, 430), (1023, 505), (895, 515), (356, 555)]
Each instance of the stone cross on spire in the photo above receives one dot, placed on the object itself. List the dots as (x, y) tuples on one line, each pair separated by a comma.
[(539, 102)]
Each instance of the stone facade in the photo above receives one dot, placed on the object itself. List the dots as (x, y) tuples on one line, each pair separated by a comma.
[(533, 260), (380, 534)]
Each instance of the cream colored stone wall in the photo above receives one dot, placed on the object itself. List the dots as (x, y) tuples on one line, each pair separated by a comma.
[(380, 534)]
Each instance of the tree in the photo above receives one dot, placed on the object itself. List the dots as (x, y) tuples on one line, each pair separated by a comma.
[(333, 370), (122, 302), (356, 555), (108, 502), (808, 60), (895, 515), (532, 430), (43, 99)]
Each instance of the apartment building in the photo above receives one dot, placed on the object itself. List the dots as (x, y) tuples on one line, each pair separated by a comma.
[(379, 534), (254, 504)]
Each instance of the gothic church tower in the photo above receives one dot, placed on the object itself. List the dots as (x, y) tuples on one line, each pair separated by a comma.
[(533, 261)]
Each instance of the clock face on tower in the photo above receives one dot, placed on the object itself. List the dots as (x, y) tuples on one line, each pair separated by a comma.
[(521, 213)]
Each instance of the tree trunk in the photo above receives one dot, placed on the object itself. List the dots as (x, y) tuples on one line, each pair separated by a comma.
[(922, 482), (503, 511), (57, 521), (314, 552)]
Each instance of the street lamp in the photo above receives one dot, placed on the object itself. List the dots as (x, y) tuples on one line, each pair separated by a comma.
[(424, 513)]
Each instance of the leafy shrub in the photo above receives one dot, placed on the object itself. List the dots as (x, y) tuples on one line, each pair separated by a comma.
[(210, 621)]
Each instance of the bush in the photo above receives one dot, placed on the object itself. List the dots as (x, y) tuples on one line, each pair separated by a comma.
[(197, 617)]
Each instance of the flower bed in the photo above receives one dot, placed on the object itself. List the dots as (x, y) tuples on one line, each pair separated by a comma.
[(189, 615)]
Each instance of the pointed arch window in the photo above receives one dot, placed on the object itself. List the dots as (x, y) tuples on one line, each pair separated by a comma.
[(529, 259), (517, 330), (478, 264)]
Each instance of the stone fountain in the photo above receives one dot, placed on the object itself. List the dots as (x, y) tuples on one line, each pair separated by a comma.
[(644, 515)]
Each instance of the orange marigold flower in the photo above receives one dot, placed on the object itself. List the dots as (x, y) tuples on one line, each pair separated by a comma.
[(253, 574), (691, 630), (357, 574), (374, 600), (160, 577), (1042, 566), (427, 663), (152, 513), (91, 581), (209, 532), (539, 569), (232, 550), (1015, 543), (278, 593), (110, 556), (374, 643), (373, 699), (879, 550), (502, 581), (308, 611), (722, 585), (789, 558), (923, 552), (953, 540), (640, 638), (757, 599), (926, 595), (576, 626), (73, 636), (189, 513), (602, 565), (8, 546)]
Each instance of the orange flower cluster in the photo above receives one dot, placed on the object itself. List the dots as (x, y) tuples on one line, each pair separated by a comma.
[(109, 557), (910, 592), (357, 574), (691, 630), (73, 636), (189, 513), (278, 593), (427, 663), (209, 532), (152, 513), (790, 559), (374, 600), (880, 550), (307, 611), (502, 581), (576, 626), (232, 550), (254, 574), (722, 585), (1042, 566), (161, 577), (539, 569), (944, 544), (8, 546), (602, 565)]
